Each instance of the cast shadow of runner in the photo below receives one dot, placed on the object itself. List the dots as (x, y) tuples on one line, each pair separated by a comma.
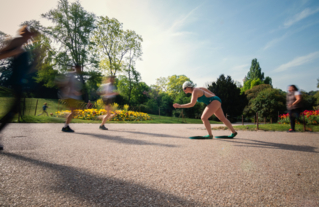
[(263, 144), (119, 139), (153, 134), (92, 190)]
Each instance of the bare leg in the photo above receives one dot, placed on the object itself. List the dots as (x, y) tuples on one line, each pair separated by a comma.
[(220, 115), (69, 117), (108, 115), (208, 112)]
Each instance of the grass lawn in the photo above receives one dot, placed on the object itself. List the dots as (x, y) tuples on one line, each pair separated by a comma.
[(155, 120), (31, 108), (272, 127)]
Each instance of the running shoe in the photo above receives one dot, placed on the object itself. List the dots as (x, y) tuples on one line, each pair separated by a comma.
[(291, 130), (103, 127), (67, 129)]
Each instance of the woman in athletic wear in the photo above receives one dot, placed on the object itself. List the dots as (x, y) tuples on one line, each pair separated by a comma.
[(293, 105), (213, 106)]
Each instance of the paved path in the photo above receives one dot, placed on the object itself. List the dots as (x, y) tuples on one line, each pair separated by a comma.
[(156, 165)]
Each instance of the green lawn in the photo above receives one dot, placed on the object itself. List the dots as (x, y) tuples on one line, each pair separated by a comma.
[(31, 105), (54, 107), (155, 120), (271, 127)]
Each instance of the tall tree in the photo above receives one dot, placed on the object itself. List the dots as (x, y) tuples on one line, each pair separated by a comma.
[(72, 29), (255, 71), (135, 52), (233, 102), (112, 43), (174, 85), (161, 84)]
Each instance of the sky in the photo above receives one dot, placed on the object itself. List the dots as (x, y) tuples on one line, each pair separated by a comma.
[(206, 38)]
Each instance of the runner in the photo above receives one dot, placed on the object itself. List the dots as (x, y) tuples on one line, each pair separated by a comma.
[(70, 92), (106, 90), (20, 67), (213, 106)]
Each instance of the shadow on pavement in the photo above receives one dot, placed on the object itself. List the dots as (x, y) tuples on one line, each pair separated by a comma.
[(105, 191), (125, 140), (263, 144), (153, 134)]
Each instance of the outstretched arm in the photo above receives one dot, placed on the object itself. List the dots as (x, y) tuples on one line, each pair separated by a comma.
[(12, 49), (189, 105)]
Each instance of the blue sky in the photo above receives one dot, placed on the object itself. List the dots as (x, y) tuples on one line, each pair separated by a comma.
[(203, 39)]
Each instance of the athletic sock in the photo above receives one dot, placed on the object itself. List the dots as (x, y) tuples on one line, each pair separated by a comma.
[(66, 125)]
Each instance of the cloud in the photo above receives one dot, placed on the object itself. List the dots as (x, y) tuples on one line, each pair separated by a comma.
[(298, 61), (304, 14), (240, 67)]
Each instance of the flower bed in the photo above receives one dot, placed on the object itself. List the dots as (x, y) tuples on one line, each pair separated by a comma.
[(311, 117), (93, 114)]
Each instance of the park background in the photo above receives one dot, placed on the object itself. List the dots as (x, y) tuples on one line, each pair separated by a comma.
[(212, 44)]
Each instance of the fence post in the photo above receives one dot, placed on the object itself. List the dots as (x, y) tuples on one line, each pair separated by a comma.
[(264, 120), (242, 119), (159, 111), (254, 119), (271, 120), (257, 120), (36, 105)]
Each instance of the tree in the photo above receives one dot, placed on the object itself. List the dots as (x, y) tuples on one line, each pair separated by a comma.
[(255, 77), (112, 43), (233, 102), (255, 71), (252, 94), (268, 102), (134, 53), (174, 85), (161, 84), (73, 26)]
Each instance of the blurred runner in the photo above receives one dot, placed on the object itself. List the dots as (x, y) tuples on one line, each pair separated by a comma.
[(71, 93), (20, 67), (107, 92)]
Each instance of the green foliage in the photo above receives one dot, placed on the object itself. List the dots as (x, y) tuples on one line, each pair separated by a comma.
[(268, 102), (252, 93), (255, 77), (233, 102), (255, 82), (307, 101), (174, 85), (255, 71)]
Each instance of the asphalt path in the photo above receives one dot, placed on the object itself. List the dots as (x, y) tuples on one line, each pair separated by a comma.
[(156, 165)]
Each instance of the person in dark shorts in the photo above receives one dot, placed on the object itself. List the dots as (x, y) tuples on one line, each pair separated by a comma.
[(293, 105), (20, 67), (44, 108), (107, 92)]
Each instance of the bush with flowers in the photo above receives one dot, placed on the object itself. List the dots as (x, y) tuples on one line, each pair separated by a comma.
[(311, 117), (93, 114)]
